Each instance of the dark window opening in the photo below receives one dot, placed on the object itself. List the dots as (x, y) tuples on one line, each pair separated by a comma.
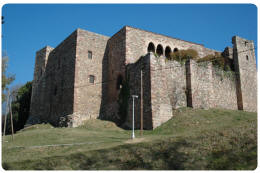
[(89, 55), (168, 52), (151, 47), (175, 49), (119, 82), (159, 50), (55, 91), (59, 63), (91, 79), (247, 57)]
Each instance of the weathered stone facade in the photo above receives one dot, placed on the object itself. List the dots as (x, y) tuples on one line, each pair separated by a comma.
[(83, 77)]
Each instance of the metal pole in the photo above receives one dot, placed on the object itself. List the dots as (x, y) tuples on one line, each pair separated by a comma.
[(133, 133), (141, 127)]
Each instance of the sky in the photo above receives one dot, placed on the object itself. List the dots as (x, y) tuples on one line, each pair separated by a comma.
[(30, 27)]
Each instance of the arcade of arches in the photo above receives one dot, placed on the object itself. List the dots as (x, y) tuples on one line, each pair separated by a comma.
[(160, 51)]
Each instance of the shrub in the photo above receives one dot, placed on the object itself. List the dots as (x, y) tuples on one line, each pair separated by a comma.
[(184, 55)]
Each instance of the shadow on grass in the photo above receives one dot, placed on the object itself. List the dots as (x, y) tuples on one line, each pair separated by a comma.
[(147, 156)]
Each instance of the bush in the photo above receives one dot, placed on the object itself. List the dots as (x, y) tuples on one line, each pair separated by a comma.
[(184, 55)]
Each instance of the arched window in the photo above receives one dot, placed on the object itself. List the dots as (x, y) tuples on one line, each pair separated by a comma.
[(168, 52), (151, 47), (119, 82), (175, 49), (159, 50)]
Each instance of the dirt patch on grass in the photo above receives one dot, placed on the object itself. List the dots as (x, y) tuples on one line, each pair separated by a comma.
[(136, 140)]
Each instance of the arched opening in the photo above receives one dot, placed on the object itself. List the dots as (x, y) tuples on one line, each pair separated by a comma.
[(119, 82), (168, 52), (151, 47), (159, 50), (175, 49)]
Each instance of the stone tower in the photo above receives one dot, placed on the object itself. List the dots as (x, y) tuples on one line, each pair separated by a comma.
[(245, 68), (39, 82)]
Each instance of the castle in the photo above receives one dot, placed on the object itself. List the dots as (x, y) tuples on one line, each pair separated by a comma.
[(83, 78)]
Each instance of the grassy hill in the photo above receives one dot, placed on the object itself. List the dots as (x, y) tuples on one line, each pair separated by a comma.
[(192, 140)]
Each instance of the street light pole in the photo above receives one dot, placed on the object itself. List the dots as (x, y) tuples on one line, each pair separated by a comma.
[(133, 133)]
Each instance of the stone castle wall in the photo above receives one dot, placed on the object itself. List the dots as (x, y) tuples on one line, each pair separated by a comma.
[(63, 93), (245, 67), (90, 52), (168, 86), (137, 42), (134, 80), (53, 93), (224, 89)]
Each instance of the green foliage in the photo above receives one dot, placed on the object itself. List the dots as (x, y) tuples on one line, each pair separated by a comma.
[(156, 55), (20, 108), (223, 69), (6, 79), (183, 55), (123, 98)]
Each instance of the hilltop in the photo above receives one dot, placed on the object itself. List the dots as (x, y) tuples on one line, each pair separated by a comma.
[(194, 139)]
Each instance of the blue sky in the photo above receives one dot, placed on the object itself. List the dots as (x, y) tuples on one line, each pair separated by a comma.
[(28, 28)]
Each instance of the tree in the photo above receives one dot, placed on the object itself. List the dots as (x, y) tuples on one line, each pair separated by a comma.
[(6, 79), (24, 101), (20, 107)]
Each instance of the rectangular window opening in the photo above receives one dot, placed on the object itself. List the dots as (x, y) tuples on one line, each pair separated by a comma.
[(91, 79), (89, 55)]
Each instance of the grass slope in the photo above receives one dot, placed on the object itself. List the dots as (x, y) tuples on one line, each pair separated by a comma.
[(192, 140)]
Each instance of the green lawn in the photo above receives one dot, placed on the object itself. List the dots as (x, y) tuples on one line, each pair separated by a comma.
[(192, 140)]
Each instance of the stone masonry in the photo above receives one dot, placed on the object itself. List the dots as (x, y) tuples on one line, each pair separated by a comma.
[(85, 75)]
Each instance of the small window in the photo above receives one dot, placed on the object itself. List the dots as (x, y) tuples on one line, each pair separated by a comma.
[(91, 79), (175, 49), (89, 55), (247, 57), (55, 91)]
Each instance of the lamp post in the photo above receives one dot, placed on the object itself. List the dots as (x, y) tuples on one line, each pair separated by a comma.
[(133, 134)]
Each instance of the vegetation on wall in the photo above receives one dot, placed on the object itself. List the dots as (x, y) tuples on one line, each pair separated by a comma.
[(223, 68), (183, 55)]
